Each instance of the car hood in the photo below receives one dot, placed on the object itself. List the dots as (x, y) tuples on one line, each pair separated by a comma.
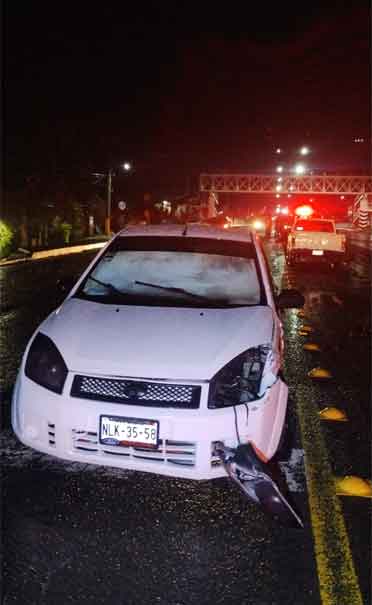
[(154, 342)]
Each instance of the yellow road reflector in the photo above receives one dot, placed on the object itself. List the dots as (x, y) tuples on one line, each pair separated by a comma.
[(353, 486), (332, 413), (319, 373), (310, 346)]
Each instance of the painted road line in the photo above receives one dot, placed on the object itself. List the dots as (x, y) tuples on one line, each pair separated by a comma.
[(338, 581)]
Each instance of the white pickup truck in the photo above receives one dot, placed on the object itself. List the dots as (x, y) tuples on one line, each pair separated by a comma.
[(315, 240)]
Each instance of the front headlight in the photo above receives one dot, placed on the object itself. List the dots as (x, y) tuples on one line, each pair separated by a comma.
[(241, 380), (257, 224), (45, 365)]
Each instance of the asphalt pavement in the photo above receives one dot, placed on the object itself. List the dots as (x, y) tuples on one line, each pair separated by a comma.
[(85, 534)]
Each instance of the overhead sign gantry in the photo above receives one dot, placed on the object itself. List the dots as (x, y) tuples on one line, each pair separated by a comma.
[(260, 183)]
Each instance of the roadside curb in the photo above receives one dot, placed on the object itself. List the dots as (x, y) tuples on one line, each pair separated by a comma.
[(43, 254)]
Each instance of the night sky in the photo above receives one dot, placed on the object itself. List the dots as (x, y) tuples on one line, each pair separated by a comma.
[(184, 89)]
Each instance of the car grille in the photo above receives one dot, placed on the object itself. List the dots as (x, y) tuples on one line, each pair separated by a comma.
[(168, 452), (135, 392)]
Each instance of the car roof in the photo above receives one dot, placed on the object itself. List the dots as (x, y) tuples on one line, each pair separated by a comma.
[(187, 230)]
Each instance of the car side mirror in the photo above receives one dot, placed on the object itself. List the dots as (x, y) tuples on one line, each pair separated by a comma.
[(290, 299)]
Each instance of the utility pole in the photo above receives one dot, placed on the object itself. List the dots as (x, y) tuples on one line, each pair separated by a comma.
[(110, 174), (127, 166)]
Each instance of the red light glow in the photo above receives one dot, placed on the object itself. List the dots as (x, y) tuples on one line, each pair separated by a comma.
[(304, 211)]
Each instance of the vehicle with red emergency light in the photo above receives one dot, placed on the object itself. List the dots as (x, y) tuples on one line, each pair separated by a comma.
[(315, 239)]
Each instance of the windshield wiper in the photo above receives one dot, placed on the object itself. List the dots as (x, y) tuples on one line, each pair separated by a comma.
[(174, 289), (109, 287), (115, 291)]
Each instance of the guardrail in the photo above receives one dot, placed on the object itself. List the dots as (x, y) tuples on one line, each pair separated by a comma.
[(359, 251)]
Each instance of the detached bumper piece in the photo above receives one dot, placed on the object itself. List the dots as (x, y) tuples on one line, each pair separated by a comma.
[(255, 481)]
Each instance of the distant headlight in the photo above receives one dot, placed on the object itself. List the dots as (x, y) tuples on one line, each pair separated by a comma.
[(45, 365), (240, 381), (257, 224)]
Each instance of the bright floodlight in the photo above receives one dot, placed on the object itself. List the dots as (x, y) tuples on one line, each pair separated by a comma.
[(279, 168), (304, 211), (304, 150), (127, 166), (300, 169), (258, 224)]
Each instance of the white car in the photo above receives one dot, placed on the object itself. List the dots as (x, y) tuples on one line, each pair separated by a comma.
[(168, 344)]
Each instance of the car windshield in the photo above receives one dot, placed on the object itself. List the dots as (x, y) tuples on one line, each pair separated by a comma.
[(322, 226), (174, 271)]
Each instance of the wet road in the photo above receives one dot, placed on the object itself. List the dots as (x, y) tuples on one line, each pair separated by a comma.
[(83, 534)]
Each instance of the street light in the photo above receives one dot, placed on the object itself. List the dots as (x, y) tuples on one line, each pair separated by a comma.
[(304, 150), (300, 169)]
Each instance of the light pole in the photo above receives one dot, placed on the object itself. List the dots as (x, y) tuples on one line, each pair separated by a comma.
[(127, 166), (110, 174)]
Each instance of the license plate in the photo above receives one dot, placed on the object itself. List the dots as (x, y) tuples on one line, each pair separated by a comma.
[(318, 252), (116, 430)]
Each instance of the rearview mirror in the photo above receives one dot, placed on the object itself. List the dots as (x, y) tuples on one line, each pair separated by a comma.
[(290, 299)]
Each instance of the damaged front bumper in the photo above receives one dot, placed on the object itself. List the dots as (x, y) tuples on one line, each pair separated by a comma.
[(256, 480)]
